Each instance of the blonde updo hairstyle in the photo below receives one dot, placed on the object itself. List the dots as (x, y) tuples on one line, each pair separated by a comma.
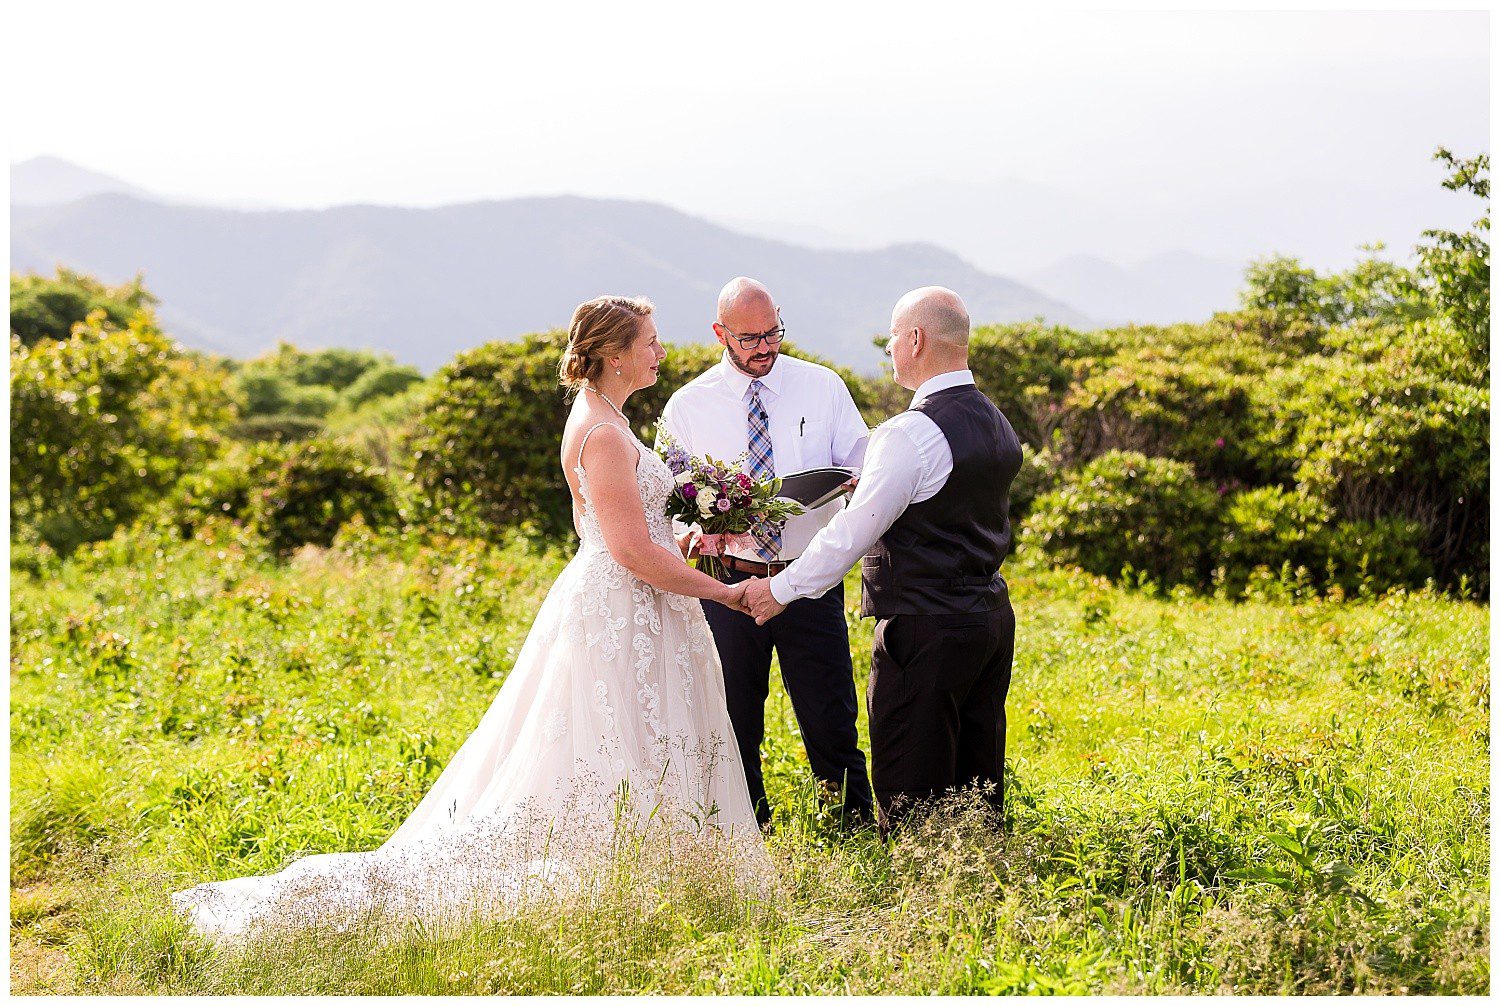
[(602, 327)]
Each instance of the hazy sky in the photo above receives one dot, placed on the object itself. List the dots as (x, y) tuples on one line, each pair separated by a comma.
[(763, 111)]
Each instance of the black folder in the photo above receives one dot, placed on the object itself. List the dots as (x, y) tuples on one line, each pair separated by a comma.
[(816, 486)]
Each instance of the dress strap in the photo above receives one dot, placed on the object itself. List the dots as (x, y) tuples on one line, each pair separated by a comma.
[(588, 434)]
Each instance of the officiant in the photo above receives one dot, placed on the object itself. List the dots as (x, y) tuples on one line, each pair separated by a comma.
[(788, 415)]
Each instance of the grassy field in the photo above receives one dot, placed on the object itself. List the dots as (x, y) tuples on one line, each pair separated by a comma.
[(1261, 796)]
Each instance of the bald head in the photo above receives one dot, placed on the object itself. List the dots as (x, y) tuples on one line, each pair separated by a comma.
[(746, 311), (938, 312), (743, 297)]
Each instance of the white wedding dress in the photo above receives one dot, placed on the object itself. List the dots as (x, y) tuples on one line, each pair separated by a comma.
[(609, 740)]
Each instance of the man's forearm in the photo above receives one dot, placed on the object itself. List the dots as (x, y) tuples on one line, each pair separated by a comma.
[(838, 546), (886, 488)]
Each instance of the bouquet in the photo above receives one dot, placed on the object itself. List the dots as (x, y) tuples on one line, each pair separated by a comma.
[(729, 505)]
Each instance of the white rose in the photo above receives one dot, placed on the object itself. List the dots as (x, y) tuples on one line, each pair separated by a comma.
[(684, 478)]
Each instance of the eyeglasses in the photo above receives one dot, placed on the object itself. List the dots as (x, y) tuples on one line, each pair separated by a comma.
[(771, 338)]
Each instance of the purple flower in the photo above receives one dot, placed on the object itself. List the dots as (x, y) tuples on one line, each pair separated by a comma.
[(723, 505), (677, 460), (689, 491)]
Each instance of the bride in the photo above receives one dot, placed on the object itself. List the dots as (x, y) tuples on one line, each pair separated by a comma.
[(609, 739)]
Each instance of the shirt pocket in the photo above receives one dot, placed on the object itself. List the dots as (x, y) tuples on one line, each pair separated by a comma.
[(814, 446)]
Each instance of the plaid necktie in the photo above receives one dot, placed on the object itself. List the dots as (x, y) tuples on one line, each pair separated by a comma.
[(762, 466)]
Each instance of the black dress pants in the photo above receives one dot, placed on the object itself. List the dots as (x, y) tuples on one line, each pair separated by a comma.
[(812, 640), (937, 706)]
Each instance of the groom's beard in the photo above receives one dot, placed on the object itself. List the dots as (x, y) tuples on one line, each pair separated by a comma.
[(754, 365)]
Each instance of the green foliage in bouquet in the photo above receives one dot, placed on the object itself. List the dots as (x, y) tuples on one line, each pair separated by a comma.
[(722, 498)]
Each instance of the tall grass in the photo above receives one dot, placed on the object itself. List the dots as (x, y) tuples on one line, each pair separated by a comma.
[(1280, 795)]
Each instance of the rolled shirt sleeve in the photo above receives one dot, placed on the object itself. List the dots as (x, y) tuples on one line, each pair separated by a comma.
[(892, 475)]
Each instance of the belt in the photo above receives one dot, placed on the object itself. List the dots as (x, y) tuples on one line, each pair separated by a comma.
[(735, 564)]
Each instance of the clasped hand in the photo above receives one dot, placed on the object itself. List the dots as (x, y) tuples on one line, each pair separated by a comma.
[(754, 598)]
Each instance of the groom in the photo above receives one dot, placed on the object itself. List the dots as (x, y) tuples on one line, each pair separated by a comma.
[(931, 517), (788, 415)]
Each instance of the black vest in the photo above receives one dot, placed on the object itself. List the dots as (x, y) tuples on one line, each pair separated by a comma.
[(942, 556)]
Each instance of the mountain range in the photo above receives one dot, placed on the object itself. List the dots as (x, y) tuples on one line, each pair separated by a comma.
[(426, 283), (46, 181)]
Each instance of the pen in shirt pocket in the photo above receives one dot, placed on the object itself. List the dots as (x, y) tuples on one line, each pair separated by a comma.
[(801, 426)]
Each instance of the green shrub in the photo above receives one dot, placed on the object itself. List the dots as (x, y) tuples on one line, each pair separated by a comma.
[(47, 307), (1373, 289), (1373, 556), (313, 401), (261, 393), (1028, 369), (381, 428), (1381, 439), (1454, 277), (1039, 474), (1125, 510), (485, 445), (285, 429), (311, 493), (335, 368), (1272, 527), (380, 382), (224, 488), (102, 423), (291, 381), (1155, 399), (266, 393), (30, 555)]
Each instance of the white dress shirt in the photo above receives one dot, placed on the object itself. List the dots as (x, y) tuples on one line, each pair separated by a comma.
[(908, 461), (813, 422)]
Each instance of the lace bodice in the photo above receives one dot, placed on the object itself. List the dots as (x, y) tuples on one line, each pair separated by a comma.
[(654, 480)]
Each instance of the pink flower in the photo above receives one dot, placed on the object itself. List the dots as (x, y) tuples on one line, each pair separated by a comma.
[(1219, 442), (723, 505)]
